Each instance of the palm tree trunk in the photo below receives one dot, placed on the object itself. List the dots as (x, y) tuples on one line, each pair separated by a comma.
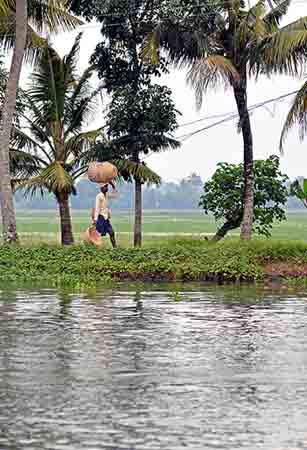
[(138, 214), (67, 237), (7, 205), (240, 93)]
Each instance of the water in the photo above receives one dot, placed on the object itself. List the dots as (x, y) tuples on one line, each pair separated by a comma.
[(200, 368)]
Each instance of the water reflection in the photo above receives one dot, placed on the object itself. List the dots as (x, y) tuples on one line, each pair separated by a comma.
[(141, 369)]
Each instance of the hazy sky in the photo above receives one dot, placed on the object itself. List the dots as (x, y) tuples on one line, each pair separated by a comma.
[(202, 152)]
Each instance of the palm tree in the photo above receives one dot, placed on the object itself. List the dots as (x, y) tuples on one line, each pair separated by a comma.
[(57, 150), (17, 32), (228, 47), (141, 174)]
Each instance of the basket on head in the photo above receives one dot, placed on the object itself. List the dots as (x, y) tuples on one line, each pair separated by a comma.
[(101, 172)]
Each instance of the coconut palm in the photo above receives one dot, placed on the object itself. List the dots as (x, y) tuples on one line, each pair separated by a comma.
[(17, 19), (59, 105), (235, 43)]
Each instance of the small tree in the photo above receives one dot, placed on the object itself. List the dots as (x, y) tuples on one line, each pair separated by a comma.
[(223, 196), (138, 123)]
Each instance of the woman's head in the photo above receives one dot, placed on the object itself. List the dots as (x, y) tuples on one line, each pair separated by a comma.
[(104, 188)]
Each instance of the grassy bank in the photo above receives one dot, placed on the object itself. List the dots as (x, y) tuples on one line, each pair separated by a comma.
[(176, 261)]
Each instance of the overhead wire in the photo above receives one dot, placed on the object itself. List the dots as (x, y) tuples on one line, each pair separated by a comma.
[(236, 115), (230, 117)]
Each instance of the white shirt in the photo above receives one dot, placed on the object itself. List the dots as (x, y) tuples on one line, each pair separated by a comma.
[(101, 206)]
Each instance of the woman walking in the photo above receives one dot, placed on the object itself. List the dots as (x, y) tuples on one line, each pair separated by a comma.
[(102, 214)]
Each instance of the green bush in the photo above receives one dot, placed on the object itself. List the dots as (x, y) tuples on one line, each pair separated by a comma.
[(178, 260)]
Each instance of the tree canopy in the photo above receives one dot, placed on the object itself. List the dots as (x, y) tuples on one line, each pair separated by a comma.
[(223, 196)]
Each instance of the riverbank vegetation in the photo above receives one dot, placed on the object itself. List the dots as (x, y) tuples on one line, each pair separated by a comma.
[(179, 260)]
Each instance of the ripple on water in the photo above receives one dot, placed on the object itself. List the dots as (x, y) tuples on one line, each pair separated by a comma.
[(200, 369)]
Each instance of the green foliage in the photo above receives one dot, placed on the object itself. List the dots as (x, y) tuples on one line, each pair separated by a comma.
[(141, 116), (58, 104), (138, 123), (296, 116), (149, 112), (299, 190), (86, 265), (223, 194), (43, 16), (237, 36)]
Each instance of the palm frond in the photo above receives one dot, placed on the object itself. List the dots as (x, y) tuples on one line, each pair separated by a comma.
[(37, 116), (152, 141), (52, 16), (274, 16), (296, 115), (53, 178), (71, 60), (211, 71), (150, 48), (57, 178), (41, 137), (30, 186), (82, 142), (83, 111), (5, 7), (184, 41), (81, 90), (284, 52), (34, 43), (20, 140), (48, 86), (23, 164), (130, 170)]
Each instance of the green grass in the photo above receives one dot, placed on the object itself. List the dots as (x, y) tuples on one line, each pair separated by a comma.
[(174, 250), (180, 260), (42, 226)]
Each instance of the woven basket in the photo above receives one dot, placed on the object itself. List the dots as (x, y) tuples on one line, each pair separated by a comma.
[(92, 236), (101, 172)]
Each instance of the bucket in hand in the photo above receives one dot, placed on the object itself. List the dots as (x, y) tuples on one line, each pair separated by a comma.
[(101, 172)]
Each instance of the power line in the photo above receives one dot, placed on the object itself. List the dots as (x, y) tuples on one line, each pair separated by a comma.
[(234, 116), (231, 116), (214, 116)]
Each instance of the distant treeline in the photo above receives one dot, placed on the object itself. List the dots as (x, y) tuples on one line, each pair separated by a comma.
[(182, 195)]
